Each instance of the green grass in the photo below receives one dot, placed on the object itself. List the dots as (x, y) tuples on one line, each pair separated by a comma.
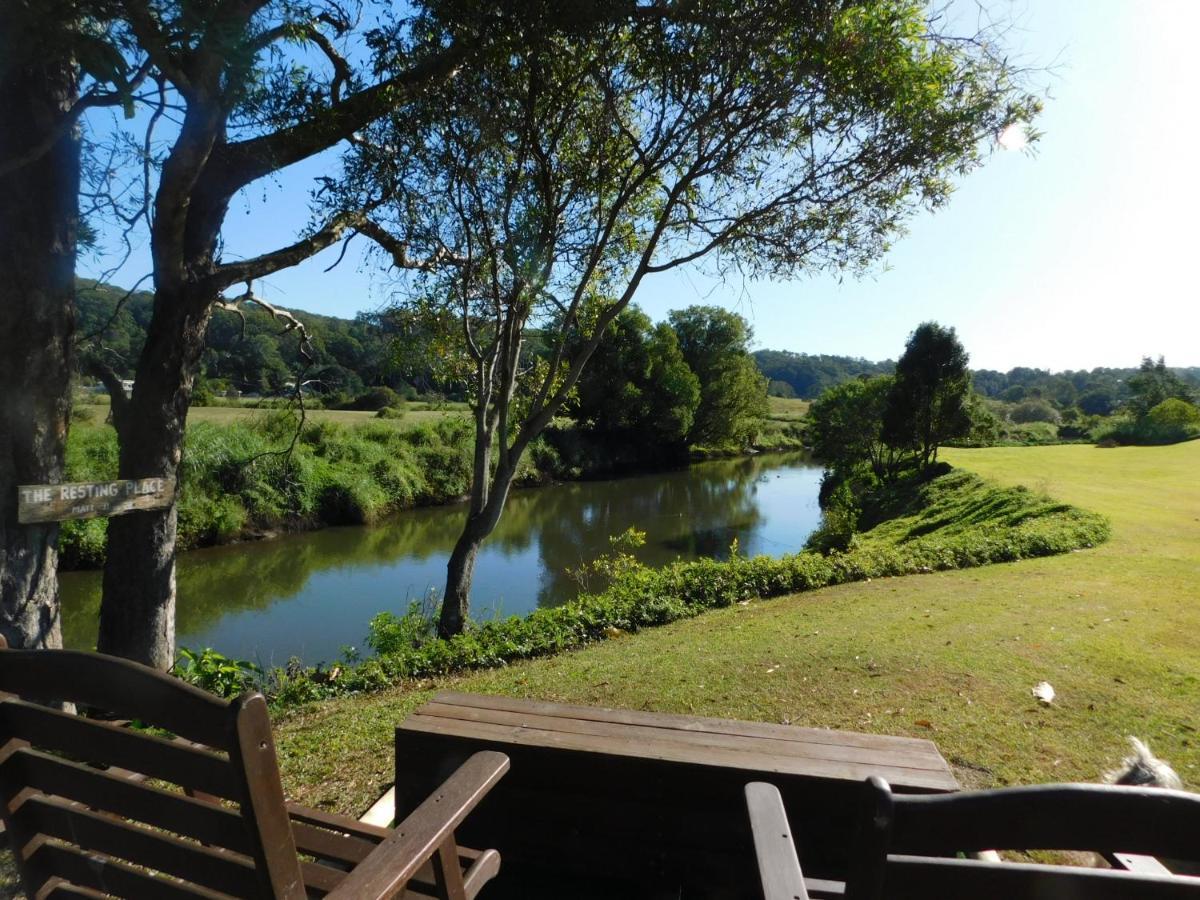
[(788, 409), (414, 414)]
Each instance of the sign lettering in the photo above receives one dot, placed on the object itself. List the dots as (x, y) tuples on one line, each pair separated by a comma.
[(91, 499)]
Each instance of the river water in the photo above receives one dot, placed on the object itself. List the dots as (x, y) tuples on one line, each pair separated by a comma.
[(308, 595)]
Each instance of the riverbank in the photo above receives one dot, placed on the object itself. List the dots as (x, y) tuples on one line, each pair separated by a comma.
[(243, 478), (952, 521), (950, 655)]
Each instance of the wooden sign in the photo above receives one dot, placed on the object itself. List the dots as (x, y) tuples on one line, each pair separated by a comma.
[(91, 499)]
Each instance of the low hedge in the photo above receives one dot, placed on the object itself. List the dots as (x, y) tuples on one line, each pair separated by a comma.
[(952, 522)]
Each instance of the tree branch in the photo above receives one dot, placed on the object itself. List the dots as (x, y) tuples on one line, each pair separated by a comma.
[(285, 257)]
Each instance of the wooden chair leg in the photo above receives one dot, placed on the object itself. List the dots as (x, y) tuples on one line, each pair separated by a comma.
[(447, 871)]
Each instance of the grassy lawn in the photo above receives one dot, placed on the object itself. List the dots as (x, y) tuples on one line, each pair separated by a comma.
[(787, 409), (949, 656)]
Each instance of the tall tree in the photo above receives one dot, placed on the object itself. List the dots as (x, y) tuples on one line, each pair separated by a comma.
[(546, 184), (928, 401), (56, 62), (1153, 384), (638, 387), (733, 393), (846, 426)]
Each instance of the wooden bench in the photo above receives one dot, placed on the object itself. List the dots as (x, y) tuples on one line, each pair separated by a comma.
[(648, 798)]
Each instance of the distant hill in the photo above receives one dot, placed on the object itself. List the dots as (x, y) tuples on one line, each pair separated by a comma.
[(1097, 390), (351, 354), (806, 376)]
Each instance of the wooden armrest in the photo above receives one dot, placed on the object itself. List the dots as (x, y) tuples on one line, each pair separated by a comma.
[(778, 866), (394, 862)]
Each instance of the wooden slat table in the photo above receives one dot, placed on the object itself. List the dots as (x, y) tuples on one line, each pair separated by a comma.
[(656, 799)]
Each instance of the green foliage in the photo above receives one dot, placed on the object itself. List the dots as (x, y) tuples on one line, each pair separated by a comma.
[(216, 673), (846, 424), (733, 393), (240, 478), (389, 634), (1034, 410), (1153, 384), (950, 522), (839, 521), (927, 404), (808, 376), (1168, 423), (637, 387), (1174, 413)]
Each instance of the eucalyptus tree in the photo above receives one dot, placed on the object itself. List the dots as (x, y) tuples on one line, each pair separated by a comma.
[(58, 59), (542, 187)]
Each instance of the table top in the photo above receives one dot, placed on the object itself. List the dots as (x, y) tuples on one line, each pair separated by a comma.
[(907, 763)]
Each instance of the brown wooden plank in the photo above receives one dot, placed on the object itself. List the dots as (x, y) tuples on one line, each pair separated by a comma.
[(104, 744), (144, 803), (870, 759), (428, 827), (689, 723), (710, 756), (336, 822), (217, 870), (110, 876), (253, 762), (778, 867), (329, 845), (118, 686), (91, 499)]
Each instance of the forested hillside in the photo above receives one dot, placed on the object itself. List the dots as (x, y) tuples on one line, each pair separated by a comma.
[(1096, 392), (806, 375), (350, 354)]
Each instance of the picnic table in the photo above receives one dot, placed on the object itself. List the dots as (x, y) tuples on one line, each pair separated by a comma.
[(600, 795)]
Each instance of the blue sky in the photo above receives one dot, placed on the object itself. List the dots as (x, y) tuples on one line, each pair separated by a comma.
[(1079, 255)]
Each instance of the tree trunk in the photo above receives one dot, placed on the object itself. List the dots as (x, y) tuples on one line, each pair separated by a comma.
[(460, 570), (38, 225), (137, 612)]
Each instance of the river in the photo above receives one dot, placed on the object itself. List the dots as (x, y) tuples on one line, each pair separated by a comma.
[(310, 594)]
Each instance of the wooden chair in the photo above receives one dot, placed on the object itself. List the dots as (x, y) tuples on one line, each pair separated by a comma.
[(907, 845), (180, 797)]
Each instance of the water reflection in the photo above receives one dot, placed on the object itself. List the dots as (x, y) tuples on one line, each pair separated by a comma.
[(309, 594)]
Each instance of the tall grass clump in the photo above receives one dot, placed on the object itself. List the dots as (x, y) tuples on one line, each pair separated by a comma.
[(244, 479)]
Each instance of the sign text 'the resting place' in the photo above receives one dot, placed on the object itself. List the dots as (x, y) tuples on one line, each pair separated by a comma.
[(90, 499)]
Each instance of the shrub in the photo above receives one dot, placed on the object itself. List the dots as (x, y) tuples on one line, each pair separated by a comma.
[(1174, 413), (1035, 410), (377, 398), (1168, 422), (215, 673)]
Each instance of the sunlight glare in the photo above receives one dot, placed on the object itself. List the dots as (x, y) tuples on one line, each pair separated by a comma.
[(1013, 137)]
